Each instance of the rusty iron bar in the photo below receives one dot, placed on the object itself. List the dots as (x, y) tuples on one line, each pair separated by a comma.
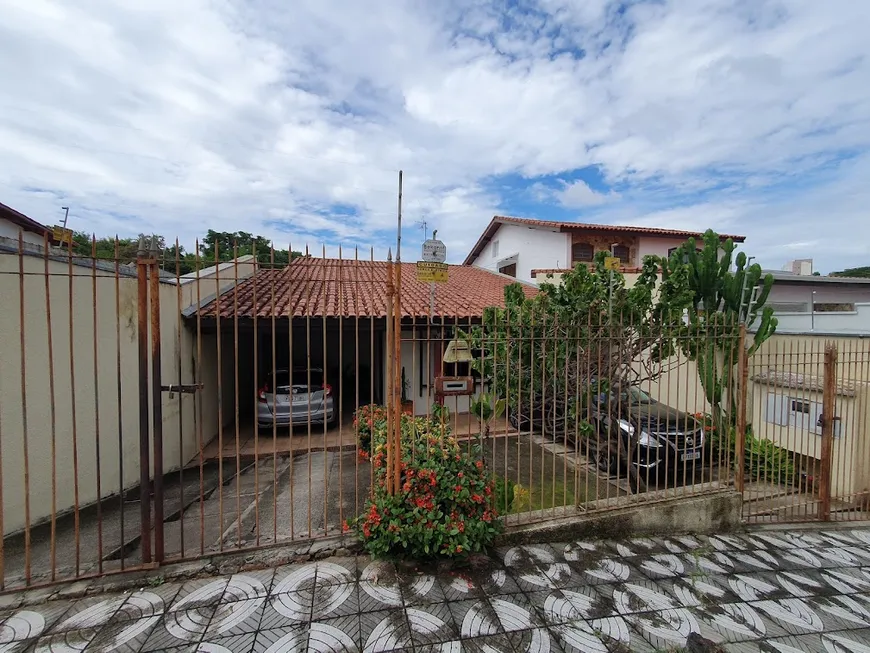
[(829, 397), (142, 269), (391, 417), (180, 371), (397, 373), (323, 401), (157, 410), (75, 444), (197, 409), (236, 393), (220, 395), (119, 396), (740, 438), (96, 406), (292, 475), (52, 412)]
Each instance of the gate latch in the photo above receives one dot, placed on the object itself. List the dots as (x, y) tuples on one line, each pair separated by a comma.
[(184, 388)]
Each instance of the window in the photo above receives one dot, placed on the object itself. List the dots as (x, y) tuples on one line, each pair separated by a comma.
[(623, 253), (495, 249), (800, 406), (509, 270), (672, 250), (582, 253)]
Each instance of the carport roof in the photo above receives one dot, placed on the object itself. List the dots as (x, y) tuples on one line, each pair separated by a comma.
[(319, 287)]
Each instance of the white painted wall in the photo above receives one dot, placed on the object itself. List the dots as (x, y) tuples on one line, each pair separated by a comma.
[(10, 230), (648, 245), (537, 248)]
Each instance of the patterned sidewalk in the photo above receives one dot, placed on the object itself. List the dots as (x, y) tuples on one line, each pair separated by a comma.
[(763, 591)]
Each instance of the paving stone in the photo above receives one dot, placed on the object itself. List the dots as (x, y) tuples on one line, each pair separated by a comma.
[(431, 624), (386, 630), (291, 639)]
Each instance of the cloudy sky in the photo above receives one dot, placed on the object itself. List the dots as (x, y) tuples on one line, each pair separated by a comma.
[(291, 119)]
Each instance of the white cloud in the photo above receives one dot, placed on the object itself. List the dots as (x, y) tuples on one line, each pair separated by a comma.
[(578, 194), (231, 115)]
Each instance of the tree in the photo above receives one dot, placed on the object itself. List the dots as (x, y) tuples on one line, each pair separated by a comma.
[(862, 272), (547, 355), (174, 259), (720, 299), (229, 244)]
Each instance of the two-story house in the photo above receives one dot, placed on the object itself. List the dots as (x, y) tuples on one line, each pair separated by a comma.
[(534, 250)]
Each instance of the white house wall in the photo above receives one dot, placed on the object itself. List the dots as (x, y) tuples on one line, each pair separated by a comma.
[(537, 248)]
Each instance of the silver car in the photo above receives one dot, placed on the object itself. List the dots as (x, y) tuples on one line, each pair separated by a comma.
[(301, 398)]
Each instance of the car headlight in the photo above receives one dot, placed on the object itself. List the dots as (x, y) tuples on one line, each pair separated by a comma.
[(646, 440), (625, 426)]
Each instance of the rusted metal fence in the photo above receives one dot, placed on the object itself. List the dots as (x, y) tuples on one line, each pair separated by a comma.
[(808, 451), (150, 416)]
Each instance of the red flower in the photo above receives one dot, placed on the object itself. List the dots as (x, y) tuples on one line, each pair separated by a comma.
[(479, 464), (458, 488), (477, 498), (460, 475)]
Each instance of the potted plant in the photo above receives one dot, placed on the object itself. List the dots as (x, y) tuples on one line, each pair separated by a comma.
[(407, 404)]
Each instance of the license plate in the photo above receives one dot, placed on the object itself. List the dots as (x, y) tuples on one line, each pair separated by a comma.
[(692, 455)]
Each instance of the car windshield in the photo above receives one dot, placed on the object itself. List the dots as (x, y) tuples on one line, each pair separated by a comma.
[(637, 396), (300, 377)]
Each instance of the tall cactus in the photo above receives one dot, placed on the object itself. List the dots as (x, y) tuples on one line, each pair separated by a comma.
[(721, 299)]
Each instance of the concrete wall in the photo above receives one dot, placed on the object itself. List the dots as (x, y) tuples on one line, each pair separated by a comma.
[(855, 322), (106, 399), (535, 248)]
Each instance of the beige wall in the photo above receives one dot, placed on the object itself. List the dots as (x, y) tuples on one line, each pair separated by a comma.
[(773, 419), (96, 402)]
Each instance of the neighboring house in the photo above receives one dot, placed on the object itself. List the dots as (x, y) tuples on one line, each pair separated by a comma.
[(13, 223), (813, 304), (331, 314), (534, 250)]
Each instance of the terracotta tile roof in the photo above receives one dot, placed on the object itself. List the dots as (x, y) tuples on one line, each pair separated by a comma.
[(499, 220), (333, 287)]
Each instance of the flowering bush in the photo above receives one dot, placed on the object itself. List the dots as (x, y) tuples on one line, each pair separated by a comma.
[(445, 504), (367, 419)]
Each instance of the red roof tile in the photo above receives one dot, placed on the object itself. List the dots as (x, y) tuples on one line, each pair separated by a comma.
[(499, 220), (320, 287)]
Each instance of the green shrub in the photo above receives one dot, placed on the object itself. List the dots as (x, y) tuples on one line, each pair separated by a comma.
[(445, 503), (367, 419), (763, 460)]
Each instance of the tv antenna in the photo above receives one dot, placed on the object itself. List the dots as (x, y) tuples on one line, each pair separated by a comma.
[(422, 224)]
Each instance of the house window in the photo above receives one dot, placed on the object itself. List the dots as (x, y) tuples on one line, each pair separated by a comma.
[(495, 249), (582, 253), (510, 270), (673, 250), (623, 253)]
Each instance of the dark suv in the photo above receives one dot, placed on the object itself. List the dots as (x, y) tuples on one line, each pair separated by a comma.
[(654, 437)]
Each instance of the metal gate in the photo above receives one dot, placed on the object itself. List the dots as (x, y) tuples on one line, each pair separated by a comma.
[(807, 455), (150, 413)]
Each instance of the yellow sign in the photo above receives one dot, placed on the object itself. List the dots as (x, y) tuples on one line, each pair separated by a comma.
[(62, 235), (611, 263), (431, 272)]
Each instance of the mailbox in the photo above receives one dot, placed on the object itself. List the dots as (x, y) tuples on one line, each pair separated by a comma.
[(453, 386)]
